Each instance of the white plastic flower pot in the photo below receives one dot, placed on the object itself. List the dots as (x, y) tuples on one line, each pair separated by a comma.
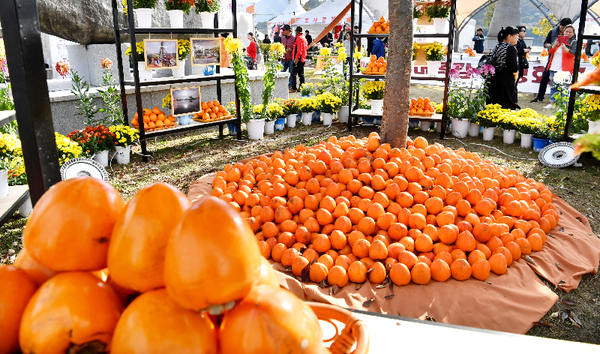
[(526, 140), (3, 184), (488, 133), (26, 208), (460, 127), (307, 118), (144, 17), (593, 127), (343, 114), (473, 129), (425, 126), (123, 154), (433, 67), (508, 136), (176, 17), (440, 25), (256, 129), (377, 106), (145, 75), (270, 127), (291, 120), (101, 157), (179, 71), (327, 119), (208, 19)]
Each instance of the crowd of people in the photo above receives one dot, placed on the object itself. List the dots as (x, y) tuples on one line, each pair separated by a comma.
[(509, 58)]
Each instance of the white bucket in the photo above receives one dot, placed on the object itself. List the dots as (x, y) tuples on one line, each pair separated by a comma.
[(377, 106), (26, 208), (440, 25), (508, 136), (433, 67), (343, 114), (3, 184), (307, 118), (270, 127), (291, 120), (593, 127), (101, 157), (144, 17), (526, 140), (327, 119), (123, 154), (176, 17), (488, 133), (208, 19), (179, 71), (425, 126), (256, 129), (473, 129), (460, 127), (145, 75)]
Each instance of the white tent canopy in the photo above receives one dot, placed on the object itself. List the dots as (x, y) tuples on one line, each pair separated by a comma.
[(293, 10)]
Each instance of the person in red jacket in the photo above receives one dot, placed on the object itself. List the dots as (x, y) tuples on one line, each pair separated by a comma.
[(299, 55), (562, 59), (251, 50)]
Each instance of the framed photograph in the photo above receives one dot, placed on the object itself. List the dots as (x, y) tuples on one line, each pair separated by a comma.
[(205, 51), (160, 54), (185, 101)]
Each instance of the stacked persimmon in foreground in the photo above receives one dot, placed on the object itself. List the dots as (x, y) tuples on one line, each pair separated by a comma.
[(196, 270), (352, 210)]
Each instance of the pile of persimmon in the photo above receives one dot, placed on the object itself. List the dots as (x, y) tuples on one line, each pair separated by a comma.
[(211, 110), (421, 107), (381, 26), (153, 118), (157, 275), (376, 66), (351, 210)]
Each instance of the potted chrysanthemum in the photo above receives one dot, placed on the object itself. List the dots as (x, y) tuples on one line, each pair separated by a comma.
[(329, 104), (124, 138), (176, 8), (308, 105), (206, 9), (143, 10), (374, 91)]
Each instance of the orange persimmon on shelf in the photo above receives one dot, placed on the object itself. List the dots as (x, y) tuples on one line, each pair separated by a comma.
[(211, 110), (381, 26), (154, 119), (421, 107), (352, 210), (376, 66)]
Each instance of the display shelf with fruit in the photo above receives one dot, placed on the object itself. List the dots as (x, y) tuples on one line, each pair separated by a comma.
[(422, 107), (376, 66), (154, 119), (218, 77), (212, 111), (380, 27)]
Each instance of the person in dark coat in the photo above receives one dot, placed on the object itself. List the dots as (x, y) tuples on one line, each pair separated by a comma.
[(522, 50), (501, 87), (478, 39), (378, 48)]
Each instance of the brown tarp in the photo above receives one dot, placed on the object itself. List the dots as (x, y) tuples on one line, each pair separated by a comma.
[(510, 302)]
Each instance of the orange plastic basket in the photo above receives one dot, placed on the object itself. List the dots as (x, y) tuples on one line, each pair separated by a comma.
[(355, 330)]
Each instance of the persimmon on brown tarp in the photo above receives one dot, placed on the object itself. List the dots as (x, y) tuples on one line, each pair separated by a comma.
[(510, 302)]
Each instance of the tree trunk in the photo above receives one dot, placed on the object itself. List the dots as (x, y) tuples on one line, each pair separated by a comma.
[(396, 105), (506, 13)]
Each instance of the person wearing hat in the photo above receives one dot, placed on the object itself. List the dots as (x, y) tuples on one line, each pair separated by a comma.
[(288, 42), (548, 42), (299, 55), (478, 39)]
